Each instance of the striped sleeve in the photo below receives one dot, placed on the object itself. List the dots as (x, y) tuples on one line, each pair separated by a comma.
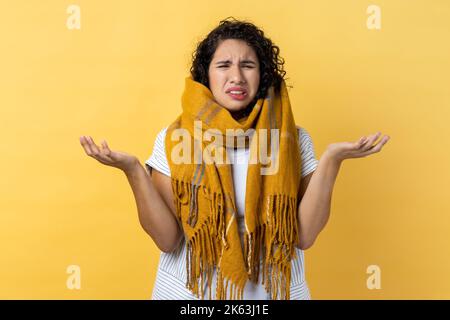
[(158, 159), (308, 157)]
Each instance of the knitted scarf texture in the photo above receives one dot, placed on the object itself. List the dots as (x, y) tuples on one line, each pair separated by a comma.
[(197, 144)]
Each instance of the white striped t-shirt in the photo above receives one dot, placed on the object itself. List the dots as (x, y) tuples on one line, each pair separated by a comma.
[(171, 276)]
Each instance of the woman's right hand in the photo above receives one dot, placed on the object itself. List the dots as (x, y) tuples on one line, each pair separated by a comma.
[(103, 154)]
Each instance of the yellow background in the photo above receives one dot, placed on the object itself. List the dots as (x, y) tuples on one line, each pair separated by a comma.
[(120, 77)]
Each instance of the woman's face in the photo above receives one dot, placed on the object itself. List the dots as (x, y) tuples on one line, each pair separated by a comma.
[(234, 74)]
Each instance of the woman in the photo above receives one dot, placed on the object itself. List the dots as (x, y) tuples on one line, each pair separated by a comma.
[(232, 221)]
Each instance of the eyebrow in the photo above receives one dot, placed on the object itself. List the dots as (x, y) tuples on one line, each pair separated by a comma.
[(229, 61)]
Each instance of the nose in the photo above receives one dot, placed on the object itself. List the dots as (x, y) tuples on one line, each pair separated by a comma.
[(236, 75)]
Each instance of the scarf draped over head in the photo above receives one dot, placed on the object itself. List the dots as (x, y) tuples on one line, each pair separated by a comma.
[(196, 145)]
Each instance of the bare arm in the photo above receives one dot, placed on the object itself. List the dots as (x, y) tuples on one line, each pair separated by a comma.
[(153, 195), (314, 208)]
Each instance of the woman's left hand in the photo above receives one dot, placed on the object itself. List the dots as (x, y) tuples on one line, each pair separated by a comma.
[(363, 147)]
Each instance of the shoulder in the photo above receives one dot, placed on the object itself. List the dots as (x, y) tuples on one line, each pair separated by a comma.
[(303, 136), (162, 133), (158, 158), (160, 138)]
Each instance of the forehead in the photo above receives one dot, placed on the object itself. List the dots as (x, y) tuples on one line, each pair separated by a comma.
[(234, 49)]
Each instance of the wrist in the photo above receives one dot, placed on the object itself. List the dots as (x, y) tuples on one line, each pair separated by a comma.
[(132, 167), (332, 157)]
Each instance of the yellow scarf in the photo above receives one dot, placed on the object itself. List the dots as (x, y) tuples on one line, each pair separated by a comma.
[(205, 200)]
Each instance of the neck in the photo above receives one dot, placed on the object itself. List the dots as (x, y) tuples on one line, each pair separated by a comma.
[(243, 113)]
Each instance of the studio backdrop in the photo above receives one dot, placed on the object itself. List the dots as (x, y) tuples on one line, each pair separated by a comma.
[(115, 70)]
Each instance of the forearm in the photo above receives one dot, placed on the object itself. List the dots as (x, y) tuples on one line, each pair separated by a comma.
[(154, 215), (314, 208)]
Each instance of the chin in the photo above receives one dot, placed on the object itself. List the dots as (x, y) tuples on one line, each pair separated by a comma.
[(237, 105), (234, 105), (235, 109)]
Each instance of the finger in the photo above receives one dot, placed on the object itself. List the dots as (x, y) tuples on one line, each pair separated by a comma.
[(105, 148), (371, 139), (107, 151), (85, 143), (93, 145), (358, 144), (97, 154), (377, 147), (361, 141)]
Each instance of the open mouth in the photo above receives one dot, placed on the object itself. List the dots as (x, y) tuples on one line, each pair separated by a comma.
[(237, 94)]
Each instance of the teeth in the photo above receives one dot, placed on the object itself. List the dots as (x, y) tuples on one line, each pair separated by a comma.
[(237, 92)]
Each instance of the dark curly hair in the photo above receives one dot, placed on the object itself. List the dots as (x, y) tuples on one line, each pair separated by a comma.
[(271, 64)]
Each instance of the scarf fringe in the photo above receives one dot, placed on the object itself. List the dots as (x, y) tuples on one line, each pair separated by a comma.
[(201, 253), (226, 287), (186, 193), (279, 235), (274, 240), (199, 262)]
